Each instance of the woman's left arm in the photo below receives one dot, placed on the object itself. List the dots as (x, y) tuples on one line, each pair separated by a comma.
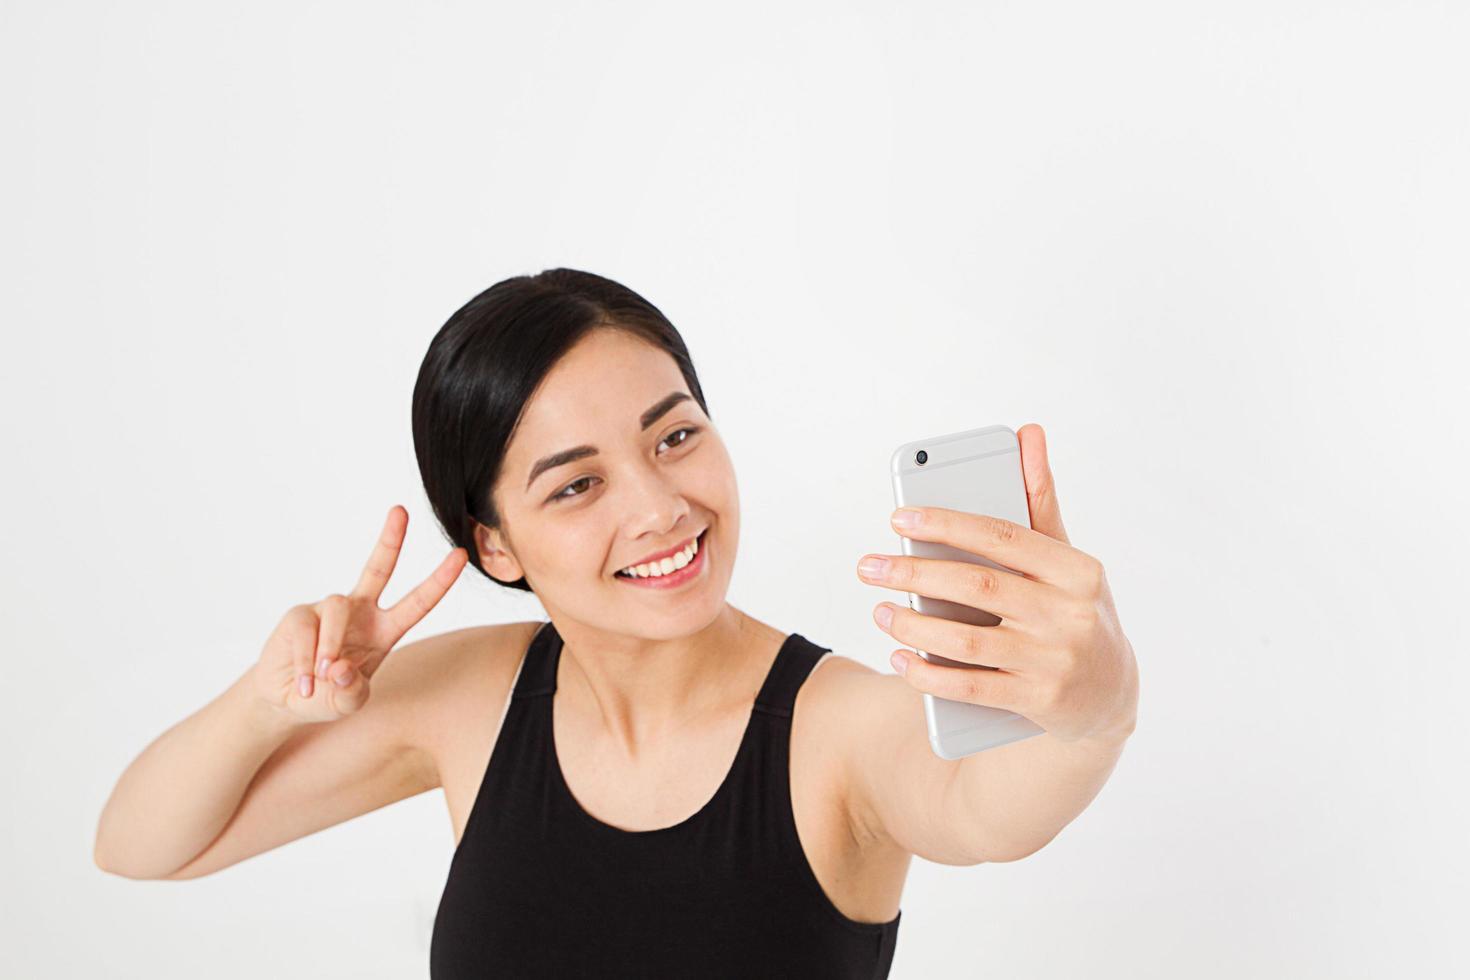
[(1063, 660)]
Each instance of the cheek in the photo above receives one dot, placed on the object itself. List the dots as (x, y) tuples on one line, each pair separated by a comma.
[(556, 546), (576, 547), (721, 493), (717, 478), (717, 500)]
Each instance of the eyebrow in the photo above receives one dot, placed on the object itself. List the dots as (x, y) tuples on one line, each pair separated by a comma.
[(659, 409)]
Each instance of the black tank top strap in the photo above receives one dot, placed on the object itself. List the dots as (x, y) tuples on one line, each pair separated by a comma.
[(538, 667), (777, 696), (794, 661)]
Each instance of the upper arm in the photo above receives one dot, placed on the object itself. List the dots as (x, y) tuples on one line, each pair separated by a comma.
[(327, 773), (899, 791)]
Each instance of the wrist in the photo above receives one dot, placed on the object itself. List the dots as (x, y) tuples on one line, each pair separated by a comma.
[(260, 715)]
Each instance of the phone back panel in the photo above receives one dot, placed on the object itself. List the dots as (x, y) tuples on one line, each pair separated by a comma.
[(979, 472)]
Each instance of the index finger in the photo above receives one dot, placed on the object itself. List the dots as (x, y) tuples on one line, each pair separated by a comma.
[(380, 563), (416, 605), (1005, 542)]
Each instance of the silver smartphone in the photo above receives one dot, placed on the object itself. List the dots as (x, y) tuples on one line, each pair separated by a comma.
[(977, 471)]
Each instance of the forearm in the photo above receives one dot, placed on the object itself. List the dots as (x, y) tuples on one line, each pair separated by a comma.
[(1018, 797), (181, 791)]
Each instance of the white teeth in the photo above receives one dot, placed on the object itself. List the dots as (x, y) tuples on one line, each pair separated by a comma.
[(665, 565)]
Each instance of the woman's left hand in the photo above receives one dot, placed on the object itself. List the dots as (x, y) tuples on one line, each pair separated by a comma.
[(1063, 660)]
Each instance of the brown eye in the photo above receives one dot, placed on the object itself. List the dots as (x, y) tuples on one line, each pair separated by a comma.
[(688, 432), (690, 429), (568, 496)]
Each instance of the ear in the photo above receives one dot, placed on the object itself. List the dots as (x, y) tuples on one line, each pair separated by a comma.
[(495, 555)]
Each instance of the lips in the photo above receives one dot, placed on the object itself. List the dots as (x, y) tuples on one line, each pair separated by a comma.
[(666, 553), (677, 580)]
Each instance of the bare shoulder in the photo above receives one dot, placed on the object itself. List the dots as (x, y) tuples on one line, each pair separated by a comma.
[(830, 704), (842, 686), (447, 679), (846, 694), (862, 721)]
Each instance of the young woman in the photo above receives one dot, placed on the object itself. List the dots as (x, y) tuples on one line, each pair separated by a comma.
[(652, 782)]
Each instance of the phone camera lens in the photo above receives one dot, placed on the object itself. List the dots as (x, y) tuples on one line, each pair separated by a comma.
[(921, 457)]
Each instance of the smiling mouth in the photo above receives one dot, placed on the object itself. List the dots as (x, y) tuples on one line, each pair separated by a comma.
[(698, 550)]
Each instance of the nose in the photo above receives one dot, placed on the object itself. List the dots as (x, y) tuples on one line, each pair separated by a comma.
[(654, 502)]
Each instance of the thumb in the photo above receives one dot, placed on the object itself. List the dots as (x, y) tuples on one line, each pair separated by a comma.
[(1041, 493), (348, 686)]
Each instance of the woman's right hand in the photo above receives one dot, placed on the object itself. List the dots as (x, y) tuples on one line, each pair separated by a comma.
[(319, 661)]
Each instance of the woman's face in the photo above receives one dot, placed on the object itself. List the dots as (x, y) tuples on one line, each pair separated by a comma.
[(650, 484)]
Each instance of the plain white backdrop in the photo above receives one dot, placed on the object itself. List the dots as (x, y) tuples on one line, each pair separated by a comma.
[(1220, 253)]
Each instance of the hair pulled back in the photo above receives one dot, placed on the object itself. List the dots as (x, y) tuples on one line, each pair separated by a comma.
[(482, 367)]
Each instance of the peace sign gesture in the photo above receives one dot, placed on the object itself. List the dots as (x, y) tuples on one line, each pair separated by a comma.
[(317, 664)]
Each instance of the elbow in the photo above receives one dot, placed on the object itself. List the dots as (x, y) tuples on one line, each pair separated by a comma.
[(102, 859), (140, 875), (108, 858), (993, 853), (1021, 853), (1009, 858), (108, 863), (105, 860)]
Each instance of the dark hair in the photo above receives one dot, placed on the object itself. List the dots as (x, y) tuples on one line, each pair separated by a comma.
[(482, 367)]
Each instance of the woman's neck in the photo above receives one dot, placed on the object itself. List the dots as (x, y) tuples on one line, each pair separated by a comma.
[(642, 692)]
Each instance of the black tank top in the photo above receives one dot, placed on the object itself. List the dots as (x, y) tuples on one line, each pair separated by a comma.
[(538, 887)]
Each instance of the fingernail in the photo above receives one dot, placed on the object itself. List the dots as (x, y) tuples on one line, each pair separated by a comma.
[(321, 667), (899, 663), (303, 684), (906, 517), (884, 615), (343, 679), (873, 567)]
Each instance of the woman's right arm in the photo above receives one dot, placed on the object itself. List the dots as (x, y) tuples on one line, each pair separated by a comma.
[(254, 784), (288, 749), (183, 788)]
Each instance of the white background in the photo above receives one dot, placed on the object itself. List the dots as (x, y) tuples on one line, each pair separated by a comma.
[(1219, 252)]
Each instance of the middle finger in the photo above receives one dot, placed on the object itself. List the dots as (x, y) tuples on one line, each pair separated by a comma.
[(1001, 593), (1001, 646)]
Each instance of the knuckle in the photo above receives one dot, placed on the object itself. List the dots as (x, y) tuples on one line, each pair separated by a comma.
[(983, 580), (1082, 613), (1066, 661), (418, 603), (1002, 530), (1096, 576), (1050, 697), (973, 687), (975, 643), (903, 572), (307, 623)]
